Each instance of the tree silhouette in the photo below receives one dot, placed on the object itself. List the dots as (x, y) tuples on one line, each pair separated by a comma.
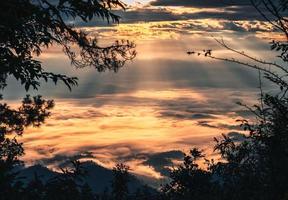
[(256, 168), (120, 182), (86, 192), (27, 27), (13, 121), (189, 181)]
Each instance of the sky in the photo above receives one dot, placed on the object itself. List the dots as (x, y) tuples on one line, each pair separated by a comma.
[(131, 2), (162, 103)]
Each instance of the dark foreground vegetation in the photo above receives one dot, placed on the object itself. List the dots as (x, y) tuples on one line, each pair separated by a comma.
[(253, 168)]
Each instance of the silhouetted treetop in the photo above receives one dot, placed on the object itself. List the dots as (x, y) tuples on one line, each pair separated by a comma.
[(28, 26), (256, 167), (32, 112), (119, 184), (277, 17)]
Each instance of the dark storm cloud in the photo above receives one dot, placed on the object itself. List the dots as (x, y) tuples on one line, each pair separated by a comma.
[(201, 3)]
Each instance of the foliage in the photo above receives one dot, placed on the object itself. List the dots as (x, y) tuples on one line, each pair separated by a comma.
[(27, 27), (120, 182), (255, 168), (33, 112), (189, 181)]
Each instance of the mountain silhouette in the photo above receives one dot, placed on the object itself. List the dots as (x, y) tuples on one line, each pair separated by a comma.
[(97, 177)]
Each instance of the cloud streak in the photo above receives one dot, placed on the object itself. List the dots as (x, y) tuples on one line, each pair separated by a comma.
[(201, 3)]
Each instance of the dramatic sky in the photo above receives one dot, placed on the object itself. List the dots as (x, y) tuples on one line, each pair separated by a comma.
[(164, 101)]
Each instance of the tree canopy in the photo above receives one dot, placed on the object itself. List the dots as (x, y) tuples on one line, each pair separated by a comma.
[(29, 26)]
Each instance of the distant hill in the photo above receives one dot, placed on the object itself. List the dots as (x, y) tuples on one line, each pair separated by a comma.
[(29, 173), (96, 176)]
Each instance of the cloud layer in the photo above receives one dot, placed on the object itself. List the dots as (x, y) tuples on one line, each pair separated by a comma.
[(201, 3)]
